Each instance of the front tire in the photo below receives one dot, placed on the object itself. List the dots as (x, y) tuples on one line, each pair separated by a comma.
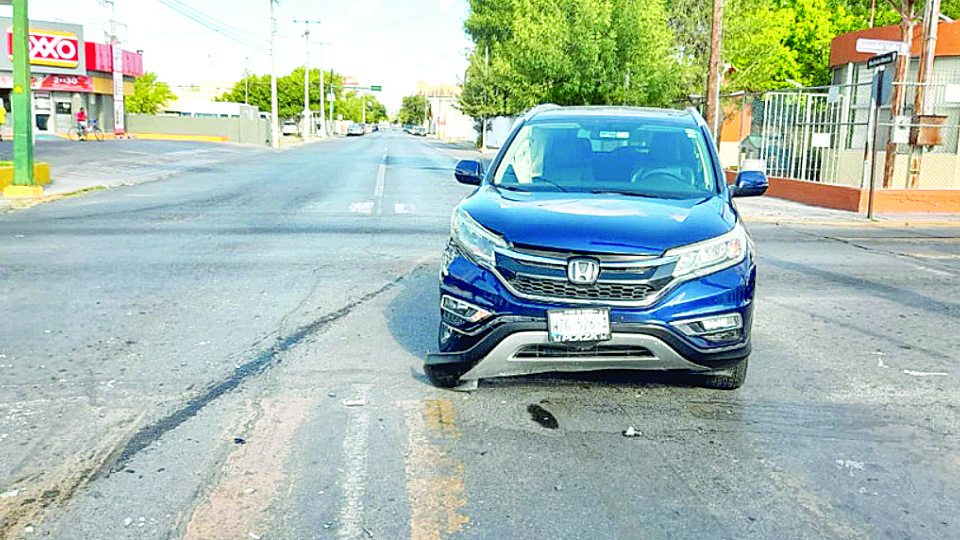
[(98, 134), (726, 380), (444, 375)]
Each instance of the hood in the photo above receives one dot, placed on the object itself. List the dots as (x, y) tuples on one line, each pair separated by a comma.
[(602, 223)]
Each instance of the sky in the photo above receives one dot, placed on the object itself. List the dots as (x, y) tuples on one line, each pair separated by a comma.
[(392, 43)]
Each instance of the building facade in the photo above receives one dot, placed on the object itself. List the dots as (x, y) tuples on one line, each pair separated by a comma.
[(67, 73)]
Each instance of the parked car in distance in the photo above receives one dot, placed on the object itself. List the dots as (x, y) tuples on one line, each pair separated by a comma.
[(602, 238), (355, 129), (290, 128)]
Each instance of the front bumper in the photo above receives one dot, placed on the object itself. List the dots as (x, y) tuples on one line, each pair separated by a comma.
[(514, 341), (523, 348)]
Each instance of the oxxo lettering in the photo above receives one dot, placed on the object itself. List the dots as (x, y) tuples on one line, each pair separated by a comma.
[(50, 48)]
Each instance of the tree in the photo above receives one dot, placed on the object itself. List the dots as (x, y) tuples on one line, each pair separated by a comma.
[(414, 110), (150, 96), (256, 91), (569, 52)]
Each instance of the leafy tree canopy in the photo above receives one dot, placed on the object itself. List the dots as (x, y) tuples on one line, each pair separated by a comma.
[(569, 52), (150, 96), (414, 110), (649, 52), (255, 90)]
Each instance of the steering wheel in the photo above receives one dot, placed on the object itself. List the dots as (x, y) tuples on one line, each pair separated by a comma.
[(643, 176)]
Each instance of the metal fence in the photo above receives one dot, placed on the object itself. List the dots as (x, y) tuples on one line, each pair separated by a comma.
[(825, 134)]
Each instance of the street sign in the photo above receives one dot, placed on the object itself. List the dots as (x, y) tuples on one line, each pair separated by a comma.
[(376, 88), (882, 59), (879, 46)]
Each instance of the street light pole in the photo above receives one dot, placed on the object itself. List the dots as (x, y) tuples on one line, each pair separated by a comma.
[(323, 95), (307, 117), (274, 107)]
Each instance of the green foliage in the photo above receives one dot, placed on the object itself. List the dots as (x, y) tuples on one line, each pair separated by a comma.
[(569, 52), (255, 90), (648, 52), (351, 107), (414, 110), (149, 95), (755, 46)]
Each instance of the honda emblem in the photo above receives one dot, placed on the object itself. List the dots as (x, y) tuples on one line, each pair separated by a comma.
[(583, 271)]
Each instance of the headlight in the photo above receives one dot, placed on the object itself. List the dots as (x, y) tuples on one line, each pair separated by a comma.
[(475, 240), (712, 255)]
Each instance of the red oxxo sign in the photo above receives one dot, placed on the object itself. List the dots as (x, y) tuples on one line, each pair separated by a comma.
[(50, 48)]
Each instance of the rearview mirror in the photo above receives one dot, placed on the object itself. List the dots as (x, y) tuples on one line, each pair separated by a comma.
[(749, 184), (469, 172)]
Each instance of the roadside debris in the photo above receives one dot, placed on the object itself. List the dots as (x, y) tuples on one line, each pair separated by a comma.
[(238, 440), (925, 373), (11, 493), (631, 432), (358, 402)]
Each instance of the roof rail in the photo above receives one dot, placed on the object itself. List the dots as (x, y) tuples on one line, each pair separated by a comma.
[(541, 107), (692, 111)]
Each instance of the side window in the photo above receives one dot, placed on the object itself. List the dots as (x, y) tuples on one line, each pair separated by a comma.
[(521, 163)]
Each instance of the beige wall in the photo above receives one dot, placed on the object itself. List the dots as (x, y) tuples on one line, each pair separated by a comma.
[(938, 171), (247, 131)]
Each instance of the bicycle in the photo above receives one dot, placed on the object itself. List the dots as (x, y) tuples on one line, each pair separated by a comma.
[(76, 134)]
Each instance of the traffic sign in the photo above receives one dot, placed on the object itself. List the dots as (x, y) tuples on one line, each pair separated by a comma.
[(882, 59), (376, 88)]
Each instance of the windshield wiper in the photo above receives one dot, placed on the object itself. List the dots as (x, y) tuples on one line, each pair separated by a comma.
[(511, 188), (625, 192), (551, 182)]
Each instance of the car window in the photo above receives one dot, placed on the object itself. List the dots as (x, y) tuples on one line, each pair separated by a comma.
[(628, 156)]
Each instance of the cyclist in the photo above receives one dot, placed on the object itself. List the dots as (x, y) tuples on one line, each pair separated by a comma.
[(82, 123)]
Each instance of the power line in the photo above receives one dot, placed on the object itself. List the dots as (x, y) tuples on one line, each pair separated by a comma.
[(215, 21), (227, 31), (390, 23)]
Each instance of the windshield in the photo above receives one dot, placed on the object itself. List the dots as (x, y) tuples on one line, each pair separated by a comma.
[(630, 156)]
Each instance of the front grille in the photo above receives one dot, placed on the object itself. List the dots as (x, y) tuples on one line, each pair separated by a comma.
[(599, 350), (552, 288)]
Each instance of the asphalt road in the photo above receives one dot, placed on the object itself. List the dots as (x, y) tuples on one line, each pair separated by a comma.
[(235, 352)]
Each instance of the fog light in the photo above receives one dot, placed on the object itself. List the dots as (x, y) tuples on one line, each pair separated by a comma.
[(466, 312), (716, 328)]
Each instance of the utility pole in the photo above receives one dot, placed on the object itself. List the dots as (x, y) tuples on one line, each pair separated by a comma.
[(113, 37), (927, 53), (713, 74), (907, 21), (246, 81), (274, 107), (323, 95), (24, 184), (307, 117)]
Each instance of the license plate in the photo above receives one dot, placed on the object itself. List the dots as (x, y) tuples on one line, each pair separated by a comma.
[(576, 325)]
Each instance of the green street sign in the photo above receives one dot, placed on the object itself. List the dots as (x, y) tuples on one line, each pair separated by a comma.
[(376, 88)]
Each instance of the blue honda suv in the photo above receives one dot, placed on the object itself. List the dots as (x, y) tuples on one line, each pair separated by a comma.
[(600, 238)]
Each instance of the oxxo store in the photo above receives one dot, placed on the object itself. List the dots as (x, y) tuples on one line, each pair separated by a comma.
[(67, 73)]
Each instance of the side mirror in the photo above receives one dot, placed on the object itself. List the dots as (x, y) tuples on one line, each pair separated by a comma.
[(469, 172), (749, 184)]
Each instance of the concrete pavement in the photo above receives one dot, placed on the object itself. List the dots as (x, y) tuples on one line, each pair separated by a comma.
[(81, 167), (77, 168)]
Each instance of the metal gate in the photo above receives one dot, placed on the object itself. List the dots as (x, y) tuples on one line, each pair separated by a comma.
[(799, 132)]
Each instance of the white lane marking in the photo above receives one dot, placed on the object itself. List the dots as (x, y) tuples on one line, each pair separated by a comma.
[(365, 207), (381, 179), (354, 486), (401, 208)]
